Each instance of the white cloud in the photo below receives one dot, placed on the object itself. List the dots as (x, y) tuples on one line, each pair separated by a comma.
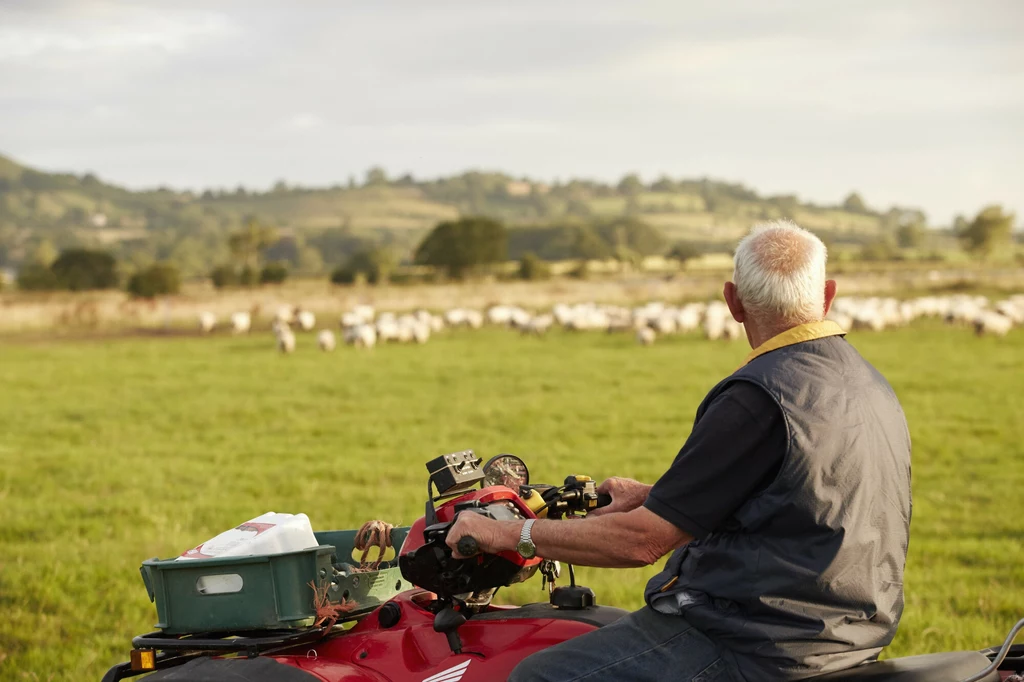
[(921, 103), (110, 33), (304, 122)]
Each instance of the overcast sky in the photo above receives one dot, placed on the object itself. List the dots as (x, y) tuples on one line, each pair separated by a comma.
[(920, 103)]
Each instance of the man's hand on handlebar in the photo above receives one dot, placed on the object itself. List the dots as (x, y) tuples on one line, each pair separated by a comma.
[(491, 536), (626, 494)]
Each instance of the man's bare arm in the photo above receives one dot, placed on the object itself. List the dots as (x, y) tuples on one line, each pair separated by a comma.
[(624, 540), (626, 495)]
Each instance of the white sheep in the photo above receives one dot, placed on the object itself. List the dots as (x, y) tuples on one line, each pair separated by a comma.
[(989, 322), (499, 315), (207, 321), (1012, 309), (539, 325), (387, 329), (645, 336), (420, 332), (361, 336), (325, 339), (285, 338), (241, 322), (666, 322), (306, 320), (365, 313), (351, 319), (285, 314), (714, 320), (842, 319), (733, 330)]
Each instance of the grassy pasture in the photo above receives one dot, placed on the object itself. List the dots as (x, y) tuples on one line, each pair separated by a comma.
[(115, 451)]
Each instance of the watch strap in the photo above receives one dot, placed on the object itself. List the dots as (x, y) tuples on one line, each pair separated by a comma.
[(526, 534)]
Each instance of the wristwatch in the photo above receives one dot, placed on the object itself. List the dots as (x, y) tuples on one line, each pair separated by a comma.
[(526, 548)]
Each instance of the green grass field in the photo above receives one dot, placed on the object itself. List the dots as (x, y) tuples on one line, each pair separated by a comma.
[(112, 452)]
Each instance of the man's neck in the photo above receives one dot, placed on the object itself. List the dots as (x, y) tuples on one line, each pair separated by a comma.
[(758, 332)]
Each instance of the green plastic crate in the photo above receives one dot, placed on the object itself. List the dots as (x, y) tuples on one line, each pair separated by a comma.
[(268, 592)]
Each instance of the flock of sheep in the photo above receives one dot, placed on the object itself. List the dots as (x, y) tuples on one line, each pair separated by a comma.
[(363, 327)]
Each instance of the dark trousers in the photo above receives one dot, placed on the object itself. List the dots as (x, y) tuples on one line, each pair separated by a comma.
[(645, 645)]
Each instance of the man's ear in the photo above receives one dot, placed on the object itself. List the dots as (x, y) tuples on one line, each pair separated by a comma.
[(830, 294), (732, 300)]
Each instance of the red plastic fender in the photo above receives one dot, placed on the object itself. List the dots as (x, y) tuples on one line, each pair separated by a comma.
[(412, 652)]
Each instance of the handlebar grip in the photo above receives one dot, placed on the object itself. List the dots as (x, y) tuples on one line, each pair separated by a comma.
[(468, 546), (603, 499)]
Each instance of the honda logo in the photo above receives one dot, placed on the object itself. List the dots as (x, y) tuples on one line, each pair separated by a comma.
[(453, 674)]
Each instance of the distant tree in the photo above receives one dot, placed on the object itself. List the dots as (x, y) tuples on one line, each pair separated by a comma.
[(633, 206), (44, 254), (531, 267), (36, 277), (663, 184), (376, 176), (463, 245), (881, 249), (159, 279), (83, 270), (855, 204), (908, 226), (581, 271), (373, 265), (910, 235), (632, 233), (787, 204), (248, 276), (310, 260), (630, 185), (960, 225), (589, 245), (224, 276), (579, 208), (247, 243), (274, 273), (683, 252), (280, 187), (990, 231)]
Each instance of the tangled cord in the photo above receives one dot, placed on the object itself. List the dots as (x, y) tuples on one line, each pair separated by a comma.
[(375, 533)]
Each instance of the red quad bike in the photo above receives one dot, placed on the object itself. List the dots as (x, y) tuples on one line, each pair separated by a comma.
[(447, 629)]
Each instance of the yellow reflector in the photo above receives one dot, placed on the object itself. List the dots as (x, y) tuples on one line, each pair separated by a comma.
[(143, 659)]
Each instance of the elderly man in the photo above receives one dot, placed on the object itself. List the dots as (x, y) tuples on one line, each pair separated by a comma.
[(788, 507)]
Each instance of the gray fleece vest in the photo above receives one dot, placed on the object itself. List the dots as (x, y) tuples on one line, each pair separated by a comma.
[(807, 577)]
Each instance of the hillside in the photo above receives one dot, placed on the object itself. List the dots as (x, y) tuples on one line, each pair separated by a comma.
[(319, 227)]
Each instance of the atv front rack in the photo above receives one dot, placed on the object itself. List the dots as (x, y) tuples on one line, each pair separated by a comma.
[(169, 651)]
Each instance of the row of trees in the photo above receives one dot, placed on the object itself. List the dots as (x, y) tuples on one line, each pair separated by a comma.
[(85, 270), (460, 249)]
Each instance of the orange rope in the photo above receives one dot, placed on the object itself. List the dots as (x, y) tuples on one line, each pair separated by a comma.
[(377, 534), (327, 614)]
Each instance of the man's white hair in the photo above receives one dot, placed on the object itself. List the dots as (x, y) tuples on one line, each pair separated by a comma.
[(779, 272)]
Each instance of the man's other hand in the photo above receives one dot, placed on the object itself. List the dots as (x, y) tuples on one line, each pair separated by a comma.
[(626, 494)]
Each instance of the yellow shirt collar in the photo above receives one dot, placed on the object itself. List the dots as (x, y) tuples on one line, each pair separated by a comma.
[(798, 334)]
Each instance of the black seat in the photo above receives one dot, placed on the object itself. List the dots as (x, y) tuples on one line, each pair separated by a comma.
[(947, 667)]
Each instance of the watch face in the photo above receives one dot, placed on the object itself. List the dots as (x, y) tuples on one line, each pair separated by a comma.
[(527, 550)]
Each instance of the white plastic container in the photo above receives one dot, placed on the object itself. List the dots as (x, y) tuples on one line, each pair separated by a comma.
[(271, 533)]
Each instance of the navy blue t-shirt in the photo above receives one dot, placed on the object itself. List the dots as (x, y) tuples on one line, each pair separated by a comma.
[(735, 452)]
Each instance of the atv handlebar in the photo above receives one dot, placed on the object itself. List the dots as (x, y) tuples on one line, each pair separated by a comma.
[(467, 545)]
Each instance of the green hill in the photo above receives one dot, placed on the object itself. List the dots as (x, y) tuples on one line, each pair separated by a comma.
[(319, 227)]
